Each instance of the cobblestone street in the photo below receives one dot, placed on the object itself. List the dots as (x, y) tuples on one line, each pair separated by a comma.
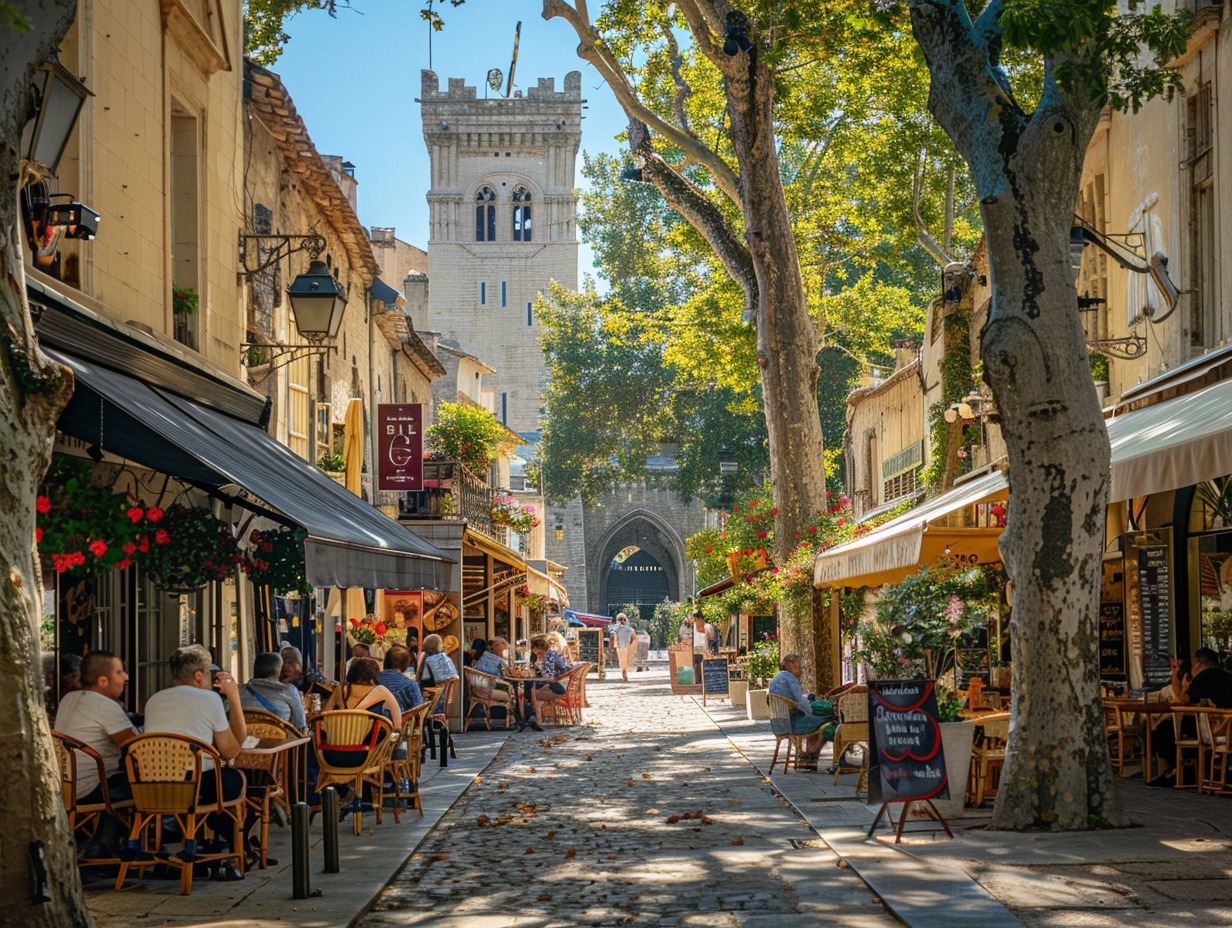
[(575, 827)]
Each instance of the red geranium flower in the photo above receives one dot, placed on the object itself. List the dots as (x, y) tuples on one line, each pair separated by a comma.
[(748, 518), (735, 508), (77, 558), (797, 534), (130, 549), (124, 563), (255, 537), (355, 623), (144, 545), (38, 535), (829, 493), (161, 537), (155, 514), (774, 512), (135, 513), (812, 528), (709, 548), (380, 628), (43, 504), (841, 521), (761, 534)]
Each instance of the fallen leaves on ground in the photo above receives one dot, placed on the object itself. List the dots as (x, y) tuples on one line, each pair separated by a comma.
[(737, 841), (652, 811), (478, 779), (589, 757), (697, 816), (545, 742), (529, 850), (570, 854), (559, 738), (502, 785), (705, 768), (551, 835), (733, 800), (482, 820), (629, 783), (440, 856), (532, 770), (544, 898), (647, 776)]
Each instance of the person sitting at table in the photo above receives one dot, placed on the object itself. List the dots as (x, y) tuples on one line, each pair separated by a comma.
[(395, 679), (190, 706), (551, 664), (1210, 683), (94, 716), (494, 662), (437, 666), (265, 691), (292, 672), (363, 690), (786, 683)]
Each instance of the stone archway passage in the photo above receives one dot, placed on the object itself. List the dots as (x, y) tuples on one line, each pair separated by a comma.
[(636, 578), (648, 544)]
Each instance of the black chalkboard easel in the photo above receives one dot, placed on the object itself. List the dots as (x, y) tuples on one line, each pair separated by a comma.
[(590, 647), (906, 760), (714, 677)]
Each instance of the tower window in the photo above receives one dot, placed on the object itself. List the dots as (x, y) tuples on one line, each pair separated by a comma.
[(483, 293), (503, 300), (521, 215), (485, 215), (530, 313)]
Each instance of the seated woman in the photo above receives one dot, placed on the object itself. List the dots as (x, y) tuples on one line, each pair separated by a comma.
[(437, 667), (551, 664), (363, 690)]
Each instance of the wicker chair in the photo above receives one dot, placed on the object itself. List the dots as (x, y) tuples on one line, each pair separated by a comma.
[(165, 774), (852, 731), (780, 725), (440, 698), (361, 735), (988, 756), (406, 767), (567, 709), (482, 690), (84, 818), (263, 785)]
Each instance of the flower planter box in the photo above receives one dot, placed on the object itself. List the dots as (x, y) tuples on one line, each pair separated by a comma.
[(757, 704), (738, 690)]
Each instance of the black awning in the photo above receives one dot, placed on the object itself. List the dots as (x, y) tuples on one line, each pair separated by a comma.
[(350, 544)]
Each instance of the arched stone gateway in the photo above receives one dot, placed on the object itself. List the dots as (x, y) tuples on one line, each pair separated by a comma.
[(658, 545)]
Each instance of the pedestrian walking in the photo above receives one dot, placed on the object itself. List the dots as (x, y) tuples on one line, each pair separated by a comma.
[(624, 640)]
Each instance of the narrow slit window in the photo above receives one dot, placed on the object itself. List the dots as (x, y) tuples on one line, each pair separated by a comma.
[(483, 294), (504, 302), (530, 313)]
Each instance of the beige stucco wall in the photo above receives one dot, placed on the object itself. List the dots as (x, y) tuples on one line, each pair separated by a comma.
[(118, 163), (882, 419)]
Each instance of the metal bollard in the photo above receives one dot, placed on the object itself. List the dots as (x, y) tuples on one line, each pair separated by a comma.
[(329, 818), (443, 744), (300, 880)]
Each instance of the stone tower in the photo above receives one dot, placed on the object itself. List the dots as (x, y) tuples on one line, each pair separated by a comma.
[(501, 225)]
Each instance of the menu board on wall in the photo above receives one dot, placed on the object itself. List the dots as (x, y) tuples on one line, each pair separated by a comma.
[(1112, 639), (1155, 603)]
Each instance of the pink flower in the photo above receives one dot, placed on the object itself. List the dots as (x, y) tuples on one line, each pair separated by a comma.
[(43, 504)]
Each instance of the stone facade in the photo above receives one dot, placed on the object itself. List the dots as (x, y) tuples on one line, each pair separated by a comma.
[(486, 274)]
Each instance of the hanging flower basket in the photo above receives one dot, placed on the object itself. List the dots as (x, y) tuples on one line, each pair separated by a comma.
[(189, 549), (275, 558), (506, 510)]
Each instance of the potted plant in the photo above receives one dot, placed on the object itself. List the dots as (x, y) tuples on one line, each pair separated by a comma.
[(334, 465), (957, 735), (184, 300), (761, 665), (469, 434)]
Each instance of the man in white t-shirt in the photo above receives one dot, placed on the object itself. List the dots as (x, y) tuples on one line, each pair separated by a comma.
[(94, 716), (192, 707), (624, 640)]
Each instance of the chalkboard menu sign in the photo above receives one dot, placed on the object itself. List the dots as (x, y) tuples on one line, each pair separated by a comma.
[(714, 677), (1155, 596), (904, 740), (1112, 639), (590, 646)]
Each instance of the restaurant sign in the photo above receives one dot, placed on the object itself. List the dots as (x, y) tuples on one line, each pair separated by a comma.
[(400, 446)]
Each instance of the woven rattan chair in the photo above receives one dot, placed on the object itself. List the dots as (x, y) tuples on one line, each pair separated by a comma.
[(571, 704), (165, 775), (359, 735), (988, 755), (780, 725), (852, 731), (263, 786), (481, 691), (84, 818), (408, 766), (441, 698)]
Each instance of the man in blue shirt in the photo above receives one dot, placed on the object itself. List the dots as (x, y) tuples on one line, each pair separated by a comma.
[(406, 691), (786, 683)]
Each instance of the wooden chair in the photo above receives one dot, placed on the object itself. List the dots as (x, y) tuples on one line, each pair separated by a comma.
[(851, 710), (1187, 741), (358, 735), (84, 818), (481, 690), (165, 774), (1221, 741), (263, 785), (988, 756), (780, 725), (406, 767), (1212, 728), (1126, 738)]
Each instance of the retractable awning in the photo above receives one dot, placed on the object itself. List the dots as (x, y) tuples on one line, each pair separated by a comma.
[(541, 584), (350, 544), (899, 547), (587, 619)]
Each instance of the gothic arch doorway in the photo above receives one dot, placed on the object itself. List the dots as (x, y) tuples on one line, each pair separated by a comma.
[(640, 560)]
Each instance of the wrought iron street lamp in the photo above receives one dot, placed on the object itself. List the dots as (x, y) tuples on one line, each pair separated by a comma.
[(59, 96)]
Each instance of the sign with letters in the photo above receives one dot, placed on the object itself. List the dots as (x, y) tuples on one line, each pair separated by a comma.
[(714, 678), (399, 446), (904, 739)]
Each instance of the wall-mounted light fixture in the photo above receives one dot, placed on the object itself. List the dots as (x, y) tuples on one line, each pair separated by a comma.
[(317, 299), (58, 98)]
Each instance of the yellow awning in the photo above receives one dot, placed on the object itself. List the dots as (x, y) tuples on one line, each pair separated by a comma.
[(542, 584), (899, 547)]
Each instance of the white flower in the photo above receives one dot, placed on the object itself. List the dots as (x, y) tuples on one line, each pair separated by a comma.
[(907, 639)]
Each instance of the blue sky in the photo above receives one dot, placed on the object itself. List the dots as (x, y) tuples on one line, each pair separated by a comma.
[(354, 80)]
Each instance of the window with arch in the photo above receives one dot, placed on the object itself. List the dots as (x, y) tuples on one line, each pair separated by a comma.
[(485, 215), (521, 215)]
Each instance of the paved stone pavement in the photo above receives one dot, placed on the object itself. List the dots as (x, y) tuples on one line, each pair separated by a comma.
[(574, 827)]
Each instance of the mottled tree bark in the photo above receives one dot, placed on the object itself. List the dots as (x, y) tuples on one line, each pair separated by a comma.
[(1027, 168), (32, 393)]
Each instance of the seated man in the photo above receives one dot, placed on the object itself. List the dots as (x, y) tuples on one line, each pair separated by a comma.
[(437, 666), (292, 668), (394, 678), (94, 716), (264, 691), (190, 706), (786, 683)]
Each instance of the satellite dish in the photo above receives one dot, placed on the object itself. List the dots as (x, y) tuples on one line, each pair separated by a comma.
[(495, 79)]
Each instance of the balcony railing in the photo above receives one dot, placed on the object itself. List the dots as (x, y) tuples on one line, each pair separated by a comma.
[(452, 491)]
